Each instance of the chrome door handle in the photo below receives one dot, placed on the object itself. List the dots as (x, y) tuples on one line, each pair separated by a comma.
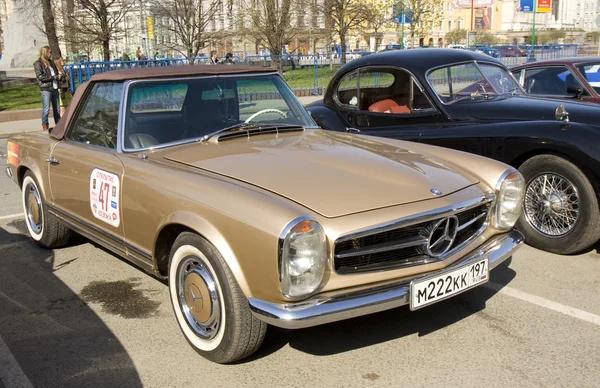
[(352, 130), (52, 161)]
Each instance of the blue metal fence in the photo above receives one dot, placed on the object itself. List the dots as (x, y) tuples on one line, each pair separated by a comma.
[(310, 74)]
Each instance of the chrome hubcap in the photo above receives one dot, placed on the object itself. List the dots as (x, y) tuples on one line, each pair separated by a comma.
[(552, 205), (198, 297), (34, 208)]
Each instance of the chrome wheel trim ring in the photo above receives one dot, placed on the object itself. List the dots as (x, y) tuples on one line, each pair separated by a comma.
[(198, 297), (551, 204), (33, 208)]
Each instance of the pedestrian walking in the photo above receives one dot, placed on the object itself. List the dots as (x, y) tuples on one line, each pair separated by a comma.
[(64, 88), (48, 79)]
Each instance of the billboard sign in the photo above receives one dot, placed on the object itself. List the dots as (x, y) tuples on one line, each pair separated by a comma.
[(544, 5), (541, 5), (398, 14)]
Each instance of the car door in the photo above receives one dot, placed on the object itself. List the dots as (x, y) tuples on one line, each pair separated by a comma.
[(84, 170), (384, 101)]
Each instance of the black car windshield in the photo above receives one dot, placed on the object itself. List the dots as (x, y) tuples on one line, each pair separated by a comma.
[(161, 112), (591, 72), (471, 80)]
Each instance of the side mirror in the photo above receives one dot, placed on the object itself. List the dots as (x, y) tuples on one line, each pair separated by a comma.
[(576, 91)]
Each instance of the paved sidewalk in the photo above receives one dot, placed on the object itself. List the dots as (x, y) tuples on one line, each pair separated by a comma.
[(35, 125)]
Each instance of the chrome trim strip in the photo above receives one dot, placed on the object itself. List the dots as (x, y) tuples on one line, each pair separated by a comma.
[(111, 242), (418, 218), (408, 242), (474, 220), (322, 310)]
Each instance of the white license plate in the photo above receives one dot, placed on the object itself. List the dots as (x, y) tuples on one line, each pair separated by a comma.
[(433, 289)]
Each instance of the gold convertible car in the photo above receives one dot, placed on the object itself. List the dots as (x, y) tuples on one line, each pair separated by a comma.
[(216, 180)]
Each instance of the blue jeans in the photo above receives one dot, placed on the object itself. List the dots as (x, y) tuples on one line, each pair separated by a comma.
[(47, 97)]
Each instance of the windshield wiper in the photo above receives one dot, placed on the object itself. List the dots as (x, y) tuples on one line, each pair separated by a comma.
[(246, 126)]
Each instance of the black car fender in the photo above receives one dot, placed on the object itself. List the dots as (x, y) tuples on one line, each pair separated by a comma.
[(326, 117)]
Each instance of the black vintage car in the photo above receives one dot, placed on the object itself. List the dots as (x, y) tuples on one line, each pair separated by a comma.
[(469, 101)]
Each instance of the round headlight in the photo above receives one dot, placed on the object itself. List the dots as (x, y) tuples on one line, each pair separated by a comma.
[(510, 190), (302, 257)]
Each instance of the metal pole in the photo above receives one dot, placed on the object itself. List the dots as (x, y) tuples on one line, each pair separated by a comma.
[(403, 18), (533, 26), (472, 14)]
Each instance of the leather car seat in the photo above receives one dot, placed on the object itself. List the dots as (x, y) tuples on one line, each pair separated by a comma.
[(141, 140), (388, 106)]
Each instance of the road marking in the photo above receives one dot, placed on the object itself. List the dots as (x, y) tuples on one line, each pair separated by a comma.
[(11, 373), (11, 216), (543, 302)]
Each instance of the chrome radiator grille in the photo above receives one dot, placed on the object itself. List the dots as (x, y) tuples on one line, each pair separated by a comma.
[(412, 244)]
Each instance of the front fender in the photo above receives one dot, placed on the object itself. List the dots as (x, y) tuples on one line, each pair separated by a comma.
[(203, 227), (327, 118)]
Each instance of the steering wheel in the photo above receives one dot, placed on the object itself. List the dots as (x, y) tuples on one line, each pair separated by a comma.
[(268, 110)]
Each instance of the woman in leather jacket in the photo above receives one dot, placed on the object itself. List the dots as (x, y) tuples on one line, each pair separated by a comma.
[(48, 79)]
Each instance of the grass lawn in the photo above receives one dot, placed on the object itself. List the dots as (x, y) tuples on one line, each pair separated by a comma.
[(20, 97), (305, 78)]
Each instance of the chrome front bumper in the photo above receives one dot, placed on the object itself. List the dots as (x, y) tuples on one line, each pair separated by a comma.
[(10, 175), (319, 310)]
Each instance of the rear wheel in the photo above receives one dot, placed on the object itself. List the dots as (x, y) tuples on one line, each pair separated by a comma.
[(210, 308), (560, 210), (43, 227)]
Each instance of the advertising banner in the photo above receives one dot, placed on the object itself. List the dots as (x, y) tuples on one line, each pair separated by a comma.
[(150, 27), (544, 5), (541, 5)]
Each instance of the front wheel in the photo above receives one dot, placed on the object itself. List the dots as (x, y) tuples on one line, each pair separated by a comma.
[(211, 310), (560, 209)]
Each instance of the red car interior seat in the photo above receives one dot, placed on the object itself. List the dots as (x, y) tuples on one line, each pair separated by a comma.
[(388, 106)]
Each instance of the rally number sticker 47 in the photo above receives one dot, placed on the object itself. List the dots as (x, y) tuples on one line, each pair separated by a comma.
[(104, 197)]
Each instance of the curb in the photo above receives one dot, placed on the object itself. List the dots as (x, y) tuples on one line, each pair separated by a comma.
[(20, 115)]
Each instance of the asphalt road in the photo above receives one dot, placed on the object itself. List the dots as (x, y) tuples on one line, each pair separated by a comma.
[(81, 317)]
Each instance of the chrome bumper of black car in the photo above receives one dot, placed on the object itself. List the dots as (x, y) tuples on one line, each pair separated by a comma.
[(319, 310)]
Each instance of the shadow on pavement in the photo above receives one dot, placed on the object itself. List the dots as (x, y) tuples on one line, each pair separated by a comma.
[(55, 337), (343, 336)]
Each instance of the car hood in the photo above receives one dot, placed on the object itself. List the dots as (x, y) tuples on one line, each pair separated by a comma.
[(333, 174), (532, 108)]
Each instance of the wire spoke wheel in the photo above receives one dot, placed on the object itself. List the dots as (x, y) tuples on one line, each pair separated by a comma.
[(552, 204)]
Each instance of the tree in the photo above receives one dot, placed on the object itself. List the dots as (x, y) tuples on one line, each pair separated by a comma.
[(485, 37), (50, 28), (424, 16), (344, 16), (99, 21), (457, 35), (189, 22), (270, 23), (593, 36), (379, 16)]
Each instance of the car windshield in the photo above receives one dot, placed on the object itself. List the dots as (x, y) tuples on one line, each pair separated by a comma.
[(591, 72), (472, 80), (170, 111)]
